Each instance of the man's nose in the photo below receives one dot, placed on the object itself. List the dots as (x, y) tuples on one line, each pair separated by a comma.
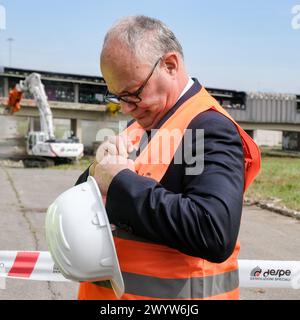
[(127, 107)]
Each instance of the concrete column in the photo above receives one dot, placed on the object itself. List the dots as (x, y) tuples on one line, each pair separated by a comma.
[(6, 88), (76, 128), (291, 141), (30, 124), (34, 124), (76, 91)]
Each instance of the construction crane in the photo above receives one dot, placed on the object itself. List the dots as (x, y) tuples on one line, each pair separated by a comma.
[(42, 148)]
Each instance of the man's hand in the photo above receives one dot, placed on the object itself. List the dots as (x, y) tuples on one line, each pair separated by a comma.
[(108, 168), (114, 146)]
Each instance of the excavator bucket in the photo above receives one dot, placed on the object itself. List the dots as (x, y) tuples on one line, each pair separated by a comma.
[(14, 99)]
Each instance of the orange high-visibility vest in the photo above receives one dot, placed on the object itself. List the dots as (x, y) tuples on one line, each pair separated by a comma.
[(154, 271)]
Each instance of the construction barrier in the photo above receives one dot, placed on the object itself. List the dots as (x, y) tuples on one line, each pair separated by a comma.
[(38, 265)]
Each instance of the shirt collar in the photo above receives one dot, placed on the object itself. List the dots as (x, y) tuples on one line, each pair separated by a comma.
[(187, 87)]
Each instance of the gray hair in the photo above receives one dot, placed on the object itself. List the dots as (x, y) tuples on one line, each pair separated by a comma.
[(147, 38)]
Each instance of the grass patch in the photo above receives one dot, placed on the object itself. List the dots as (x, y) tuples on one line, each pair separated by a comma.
[(279, 178), (81, 164)]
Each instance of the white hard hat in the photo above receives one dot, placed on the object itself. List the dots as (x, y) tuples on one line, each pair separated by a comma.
[(79, 237)]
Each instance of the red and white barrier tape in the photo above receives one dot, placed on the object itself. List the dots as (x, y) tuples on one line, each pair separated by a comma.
[(38, 265), (30, 265)]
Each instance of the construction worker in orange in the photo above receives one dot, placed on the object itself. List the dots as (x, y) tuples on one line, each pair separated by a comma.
[(174, 180), (14, 99)]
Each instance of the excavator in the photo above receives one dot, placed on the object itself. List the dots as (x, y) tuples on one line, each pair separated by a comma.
[(42, 148)]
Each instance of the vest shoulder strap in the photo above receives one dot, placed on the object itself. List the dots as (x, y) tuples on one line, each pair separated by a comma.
[(153, 161)]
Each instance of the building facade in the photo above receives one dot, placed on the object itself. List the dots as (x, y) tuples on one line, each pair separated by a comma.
[(271, 119)]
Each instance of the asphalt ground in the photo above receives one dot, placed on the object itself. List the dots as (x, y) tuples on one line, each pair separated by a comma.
[(25, 195)]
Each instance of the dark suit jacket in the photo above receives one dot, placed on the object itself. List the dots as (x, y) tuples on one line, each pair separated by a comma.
[(197, 215)]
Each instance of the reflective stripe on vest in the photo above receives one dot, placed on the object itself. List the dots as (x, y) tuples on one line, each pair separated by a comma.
[(155, 271), (184, 288)]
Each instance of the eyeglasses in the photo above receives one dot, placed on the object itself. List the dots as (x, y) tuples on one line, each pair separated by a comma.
[(130, 97)]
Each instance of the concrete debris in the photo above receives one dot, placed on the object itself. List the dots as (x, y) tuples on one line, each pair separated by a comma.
[(272, 206), (11, 164)]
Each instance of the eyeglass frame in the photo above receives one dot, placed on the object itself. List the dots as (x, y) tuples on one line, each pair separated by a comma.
[(118, 98)]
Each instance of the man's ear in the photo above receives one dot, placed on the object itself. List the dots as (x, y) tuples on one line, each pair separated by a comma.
[(171, 62)]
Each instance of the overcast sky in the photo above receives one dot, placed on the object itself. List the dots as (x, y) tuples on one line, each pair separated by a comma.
[(241, 45)]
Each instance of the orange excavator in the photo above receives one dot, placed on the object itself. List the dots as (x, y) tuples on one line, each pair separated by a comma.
[(14, 100)]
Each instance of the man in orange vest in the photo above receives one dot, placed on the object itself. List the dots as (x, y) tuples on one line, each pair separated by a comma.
[(177, 227)]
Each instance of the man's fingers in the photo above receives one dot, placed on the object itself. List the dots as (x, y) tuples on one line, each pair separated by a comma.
[(124, 146), (128, 146), (111, 149), (115, 146), (117, 161), (105, 149), (113, 160), (119, 144)]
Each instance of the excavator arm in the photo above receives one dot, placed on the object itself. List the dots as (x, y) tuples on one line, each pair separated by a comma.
[(33, 85)]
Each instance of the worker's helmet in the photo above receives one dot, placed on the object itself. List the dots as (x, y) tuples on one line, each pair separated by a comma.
[(80, 239)]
